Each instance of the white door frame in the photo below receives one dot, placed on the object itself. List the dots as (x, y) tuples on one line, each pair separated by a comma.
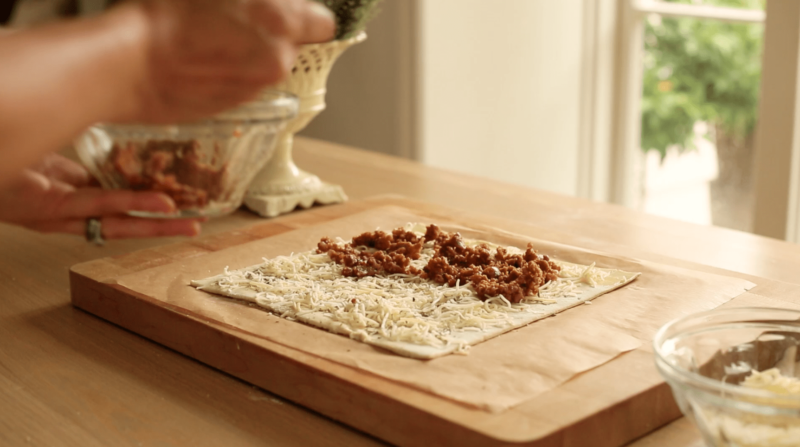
[(777, 186)]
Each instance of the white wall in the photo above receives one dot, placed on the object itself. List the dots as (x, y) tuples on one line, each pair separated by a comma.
[(484, 87), (500, 89)]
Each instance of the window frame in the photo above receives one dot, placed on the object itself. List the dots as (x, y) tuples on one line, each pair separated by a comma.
[(777, 168)]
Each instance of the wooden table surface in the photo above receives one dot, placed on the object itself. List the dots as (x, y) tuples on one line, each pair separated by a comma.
[(69, 378)]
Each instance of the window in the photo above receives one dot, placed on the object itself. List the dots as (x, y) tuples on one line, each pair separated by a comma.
[(647, 29), (701, 79)]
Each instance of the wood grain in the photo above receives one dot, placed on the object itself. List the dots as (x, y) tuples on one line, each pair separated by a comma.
[(69, 378), (631, 399), (604, 407)]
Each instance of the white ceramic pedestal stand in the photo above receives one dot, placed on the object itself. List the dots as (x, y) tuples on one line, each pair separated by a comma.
[(281, 186)]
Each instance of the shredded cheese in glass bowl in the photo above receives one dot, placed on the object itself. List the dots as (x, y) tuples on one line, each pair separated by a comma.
[(736, 373)]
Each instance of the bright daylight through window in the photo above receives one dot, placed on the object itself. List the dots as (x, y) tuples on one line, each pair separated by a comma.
[(698, 115)]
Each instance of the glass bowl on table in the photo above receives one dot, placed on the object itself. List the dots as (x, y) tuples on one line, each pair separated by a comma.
[(736, 373), (204, 166)]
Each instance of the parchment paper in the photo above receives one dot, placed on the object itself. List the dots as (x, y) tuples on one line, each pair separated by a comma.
[(498, 373)]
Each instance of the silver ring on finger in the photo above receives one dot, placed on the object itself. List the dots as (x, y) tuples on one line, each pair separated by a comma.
[(94, 231)]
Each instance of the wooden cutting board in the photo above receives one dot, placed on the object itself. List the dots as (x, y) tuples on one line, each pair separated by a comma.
[(607, 406)]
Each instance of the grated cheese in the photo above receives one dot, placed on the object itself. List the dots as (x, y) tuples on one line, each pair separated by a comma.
[(772, 380), (740, 428), (310, 287)]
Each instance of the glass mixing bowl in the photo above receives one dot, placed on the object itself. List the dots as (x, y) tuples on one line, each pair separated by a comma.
[(711, 360), (205, 166)]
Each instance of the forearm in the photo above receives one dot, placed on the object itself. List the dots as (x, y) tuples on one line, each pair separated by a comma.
[(57, 80)]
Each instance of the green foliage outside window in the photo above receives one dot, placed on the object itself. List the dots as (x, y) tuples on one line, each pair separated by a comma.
[(700, 70)]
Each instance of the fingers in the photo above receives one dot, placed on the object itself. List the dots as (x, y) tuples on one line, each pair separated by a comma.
[(300, 21), (56, 207), (34, 197), (206, 56), (63, 169), (318, 24), (278, 60), (123, 227), (86, 202), (278, 17), (218, 80)]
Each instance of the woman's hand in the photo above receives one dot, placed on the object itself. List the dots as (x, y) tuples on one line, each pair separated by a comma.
[(202, 56), (151, 61), (56, 195)]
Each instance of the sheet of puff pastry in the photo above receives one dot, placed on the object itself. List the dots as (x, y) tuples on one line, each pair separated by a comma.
[(403, 313)]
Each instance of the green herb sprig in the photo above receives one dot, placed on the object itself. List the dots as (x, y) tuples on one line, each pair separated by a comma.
[(351, 15)]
